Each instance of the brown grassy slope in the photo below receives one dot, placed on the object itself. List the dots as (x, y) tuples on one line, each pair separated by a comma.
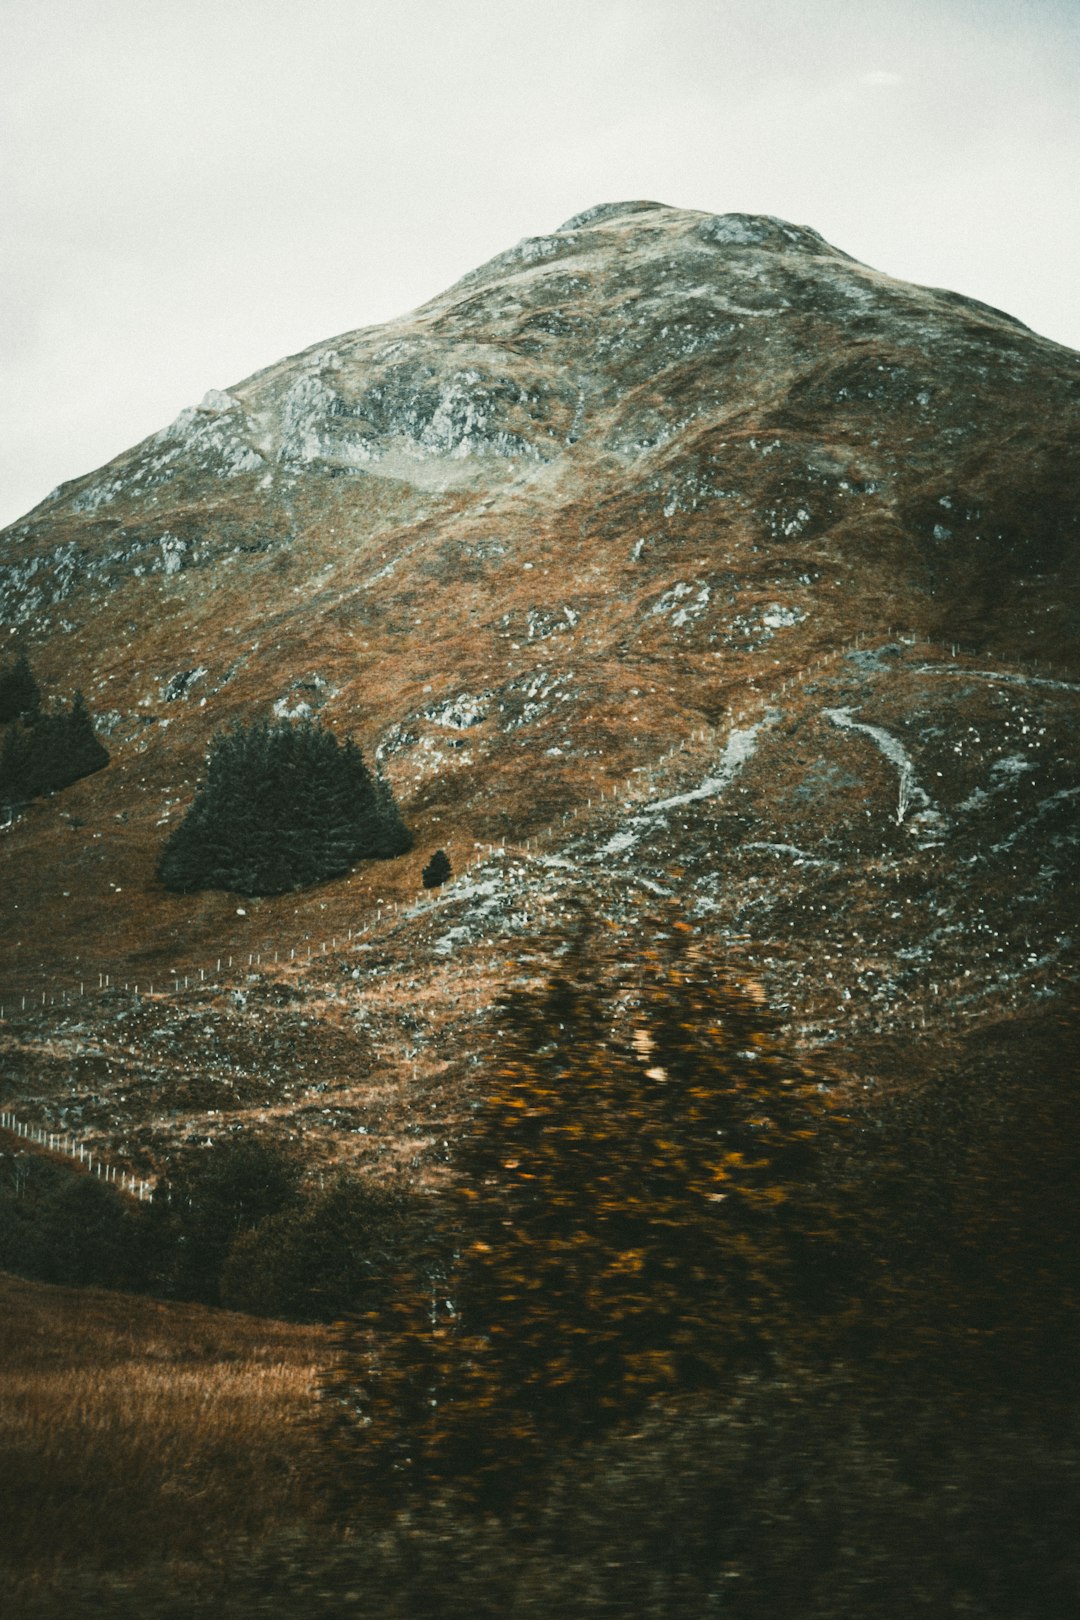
[(134, 1431)]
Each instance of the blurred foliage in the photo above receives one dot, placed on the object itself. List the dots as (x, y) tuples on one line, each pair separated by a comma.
[(633, 1215), (811, 1495)]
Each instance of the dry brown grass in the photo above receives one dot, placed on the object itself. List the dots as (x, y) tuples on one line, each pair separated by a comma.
[(134, 1431)]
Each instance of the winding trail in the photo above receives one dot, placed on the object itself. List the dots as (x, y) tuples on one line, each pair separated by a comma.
[(895, 753), (1007, 677), (740, 746)]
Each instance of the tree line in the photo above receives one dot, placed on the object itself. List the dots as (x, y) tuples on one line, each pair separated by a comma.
[(234, 1225), (44, 749)]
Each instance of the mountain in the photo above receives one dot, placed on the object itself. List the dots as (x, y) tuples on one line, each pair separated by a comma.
[(666, 558)]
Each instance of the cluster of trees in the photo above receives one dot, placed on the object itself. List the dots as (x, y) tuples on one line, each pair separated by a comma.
[(43, 750), (231, 1224), (282, 806)]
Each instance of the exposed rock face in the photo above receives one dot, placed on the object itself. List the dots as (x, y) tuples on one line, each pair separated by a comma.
[(639, 483)]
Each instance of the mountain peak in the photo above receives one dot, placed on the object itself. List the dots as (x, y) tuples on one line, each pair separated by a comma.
[(722, 230), (601, 213), (580, 551)]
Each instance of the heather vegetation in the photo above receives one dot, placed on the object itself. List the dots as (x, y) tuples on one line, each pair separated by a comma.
[(283, 806)]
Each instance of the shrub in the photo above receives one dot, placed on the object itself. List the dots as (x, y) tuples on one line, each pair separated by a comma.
[(437, 870), (324, 1257), (215, 1196)]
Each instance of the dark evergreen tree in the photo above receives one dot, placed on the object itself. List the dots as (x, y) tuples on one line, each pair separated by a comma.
[(437, 870), (283, 806), (44, 752), (19, 694), (85, 753)]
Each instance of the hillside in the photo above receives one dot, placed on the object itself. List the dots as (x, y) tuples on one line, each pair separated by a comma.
[(664, 557)]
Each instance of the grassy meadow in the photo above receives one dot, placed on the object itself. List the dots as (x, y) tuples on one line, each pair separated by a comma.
[(137, 1432)]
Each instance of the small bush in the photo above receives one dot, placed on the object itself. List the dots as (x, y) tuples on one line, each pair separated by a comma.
[(437, 870)]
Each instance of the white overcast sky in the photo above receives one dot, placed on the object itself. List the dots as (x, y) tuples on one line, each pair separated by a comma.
[(190, 189)]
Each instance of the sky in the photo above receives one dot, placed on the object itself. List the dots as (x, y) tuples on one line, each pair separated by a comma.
[(192, 189)]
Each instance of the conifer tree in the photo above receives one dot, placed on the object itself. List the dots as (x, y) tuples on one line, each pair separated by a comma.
[(283, 806), (19, 694), (85, 753), (44, 752), (437, 870)]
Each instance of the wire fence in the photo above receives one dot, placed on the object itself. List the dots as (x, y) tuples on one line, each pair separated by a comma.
[(89, 1157)]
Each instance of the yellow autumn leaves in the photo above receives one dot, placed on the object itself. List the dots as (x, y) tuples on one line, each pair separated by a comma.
[(617, 1226)]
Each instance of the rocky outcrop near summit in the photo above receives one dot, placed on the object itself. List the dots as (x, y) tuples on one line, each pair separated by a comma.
[(733, 366), (671, 555)]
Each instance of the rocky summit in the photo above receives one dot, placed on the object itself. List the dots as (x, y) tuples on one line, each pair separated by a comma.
[(666, 560)]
